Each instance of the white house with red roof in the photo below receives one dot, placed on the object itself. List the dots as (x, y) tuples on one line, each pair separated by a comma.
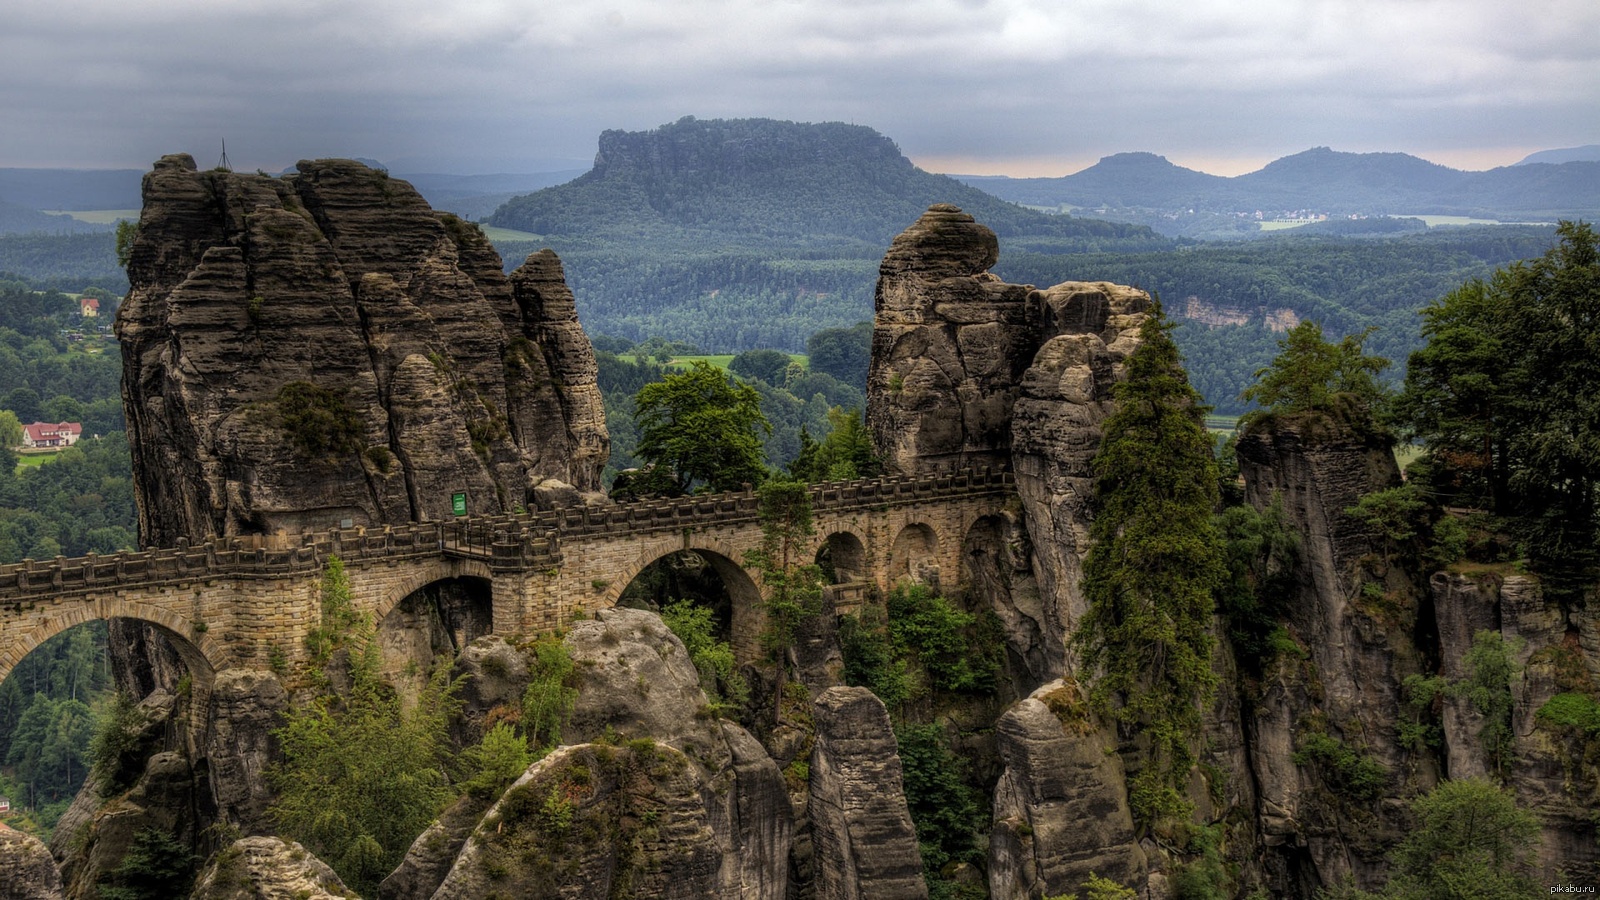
[(47, 434), (88, 307)]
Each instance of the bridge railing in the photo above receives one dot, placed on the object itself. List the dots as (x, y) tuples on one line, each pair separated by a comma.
[(505, 542)]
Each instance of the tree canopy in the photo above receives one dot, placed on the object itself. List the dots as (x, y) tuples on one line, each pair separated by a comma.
[(699, 429), (1310, 374), (1506, 396), (1155, 561)]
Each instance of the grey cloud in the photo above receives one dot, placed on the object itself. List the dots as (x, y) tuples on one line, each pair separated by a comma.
[(88, 82)]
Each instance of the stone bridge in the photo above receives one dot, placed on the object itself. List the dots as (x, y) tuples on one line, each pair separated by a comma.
[(248, 601)]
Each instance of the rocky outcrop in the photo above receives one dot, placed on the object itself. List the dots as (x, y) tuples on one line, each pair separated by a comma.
[(637, 681), (968, 370), (267, 868), (1060, 808), (322, 347), (1356, 615), (247, 705), (26, 870), (864, 843), (1462, 608), (678, 783), (948, 348), (433, 854), (1552, 767), (596, 821), (1065, 395)]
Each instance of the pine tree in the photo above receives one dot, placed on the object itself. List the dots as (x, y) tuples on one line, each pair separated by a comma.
[(1150, 574)]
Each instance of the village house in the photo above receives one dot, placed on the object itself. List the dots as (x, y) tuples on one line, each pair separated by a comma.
[(88, 307), (47, 434)]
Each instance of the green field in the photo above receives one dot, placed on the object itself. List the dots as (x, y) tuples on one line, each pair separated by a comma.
[(496, 233), (35, 460), (721, 360), (1436, 221), (97, 216)]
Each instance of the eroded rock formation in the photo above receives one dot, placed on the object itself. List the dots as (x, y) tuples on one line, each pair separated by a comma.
[(659, 799), (268, 868), (969, 370), (1060, 809), (864, 842), (26, 870), (322, 347)]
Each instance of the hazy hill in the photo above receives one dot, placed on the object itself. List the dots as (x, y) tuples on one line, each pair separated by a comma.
[(15, 219), (71, 188), (1143, 187), (762, 182), (745, 233), (1586, 153), (1122, 180)]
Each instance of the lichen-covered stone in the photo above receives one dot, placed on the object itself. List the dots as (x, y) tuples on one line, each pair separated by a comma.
[(864, 843), (1356, 617), (433, 372), (637, 687), (26, 870), (595, 821), (268, 868), (1060, 808)]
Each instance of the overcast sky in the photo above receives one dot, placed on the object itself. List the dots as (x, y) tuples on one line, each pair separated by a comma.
[(1024, 87)]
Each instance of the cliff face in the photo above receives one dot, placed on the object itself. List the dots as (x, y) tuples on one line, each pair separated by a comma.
[(324, 346), (969, 370), (948, 349)]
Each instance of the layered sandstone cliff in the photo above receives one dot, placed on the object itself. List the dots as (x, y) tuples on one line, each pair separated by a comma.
[(969, 370), (322, 347)]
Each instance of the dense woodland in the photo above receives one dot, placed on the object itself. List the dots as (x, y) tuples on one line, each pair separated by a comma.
[(55, 366)]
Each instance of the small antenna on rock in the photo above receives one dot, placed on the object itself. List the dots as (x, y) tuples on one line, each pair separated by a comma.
[(223, 162)]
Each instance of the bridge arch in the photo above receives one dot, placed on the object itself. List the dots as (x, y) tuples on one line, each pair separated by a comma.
[(435, 570), (915, 553), (202, 653), (844, 558), (746, 618)]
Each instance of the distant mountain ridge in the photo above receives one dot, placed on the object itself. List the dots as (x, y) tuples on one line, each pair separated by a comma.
[(71, 189), (16, 219), (1586, 153), (764, 182), (1320, 180)]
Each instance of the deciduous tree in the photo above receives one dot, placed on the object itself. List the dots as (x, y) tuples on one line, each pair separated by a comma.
[(701, 430)]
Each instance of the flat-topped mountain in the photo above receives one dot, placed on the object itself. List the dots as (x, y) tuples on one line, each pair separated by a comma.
[(763, 182)]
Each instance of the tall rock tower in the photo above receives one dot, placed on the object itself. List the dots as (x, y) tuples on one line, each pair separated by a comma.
[(324, 348), (968, 370)]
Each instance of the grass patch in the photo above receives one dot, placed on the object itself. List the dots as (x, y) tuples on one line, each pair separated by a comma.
[(721, 360), (1406, 454), (35, 460), (496, 233), (1435, 221), (97, 216)]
